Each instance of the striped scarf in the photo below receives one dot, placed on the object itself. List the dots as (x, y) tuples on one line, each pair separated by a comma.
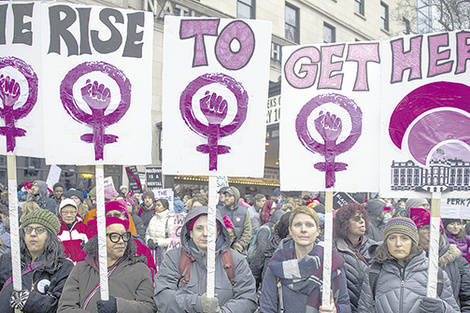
[(304, 275)]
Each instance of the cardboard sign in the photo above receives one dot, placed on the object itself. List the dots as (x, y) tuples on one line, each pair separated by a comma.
[(154, 177), (98, 104), (134, 180), (213, 104), (176, 232), (331, 117)]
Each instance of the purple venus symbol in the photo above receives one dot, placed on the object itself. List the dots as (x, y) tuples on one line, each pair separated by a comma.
[(215, 109), (98, 98), (329, 126), (10, 92)]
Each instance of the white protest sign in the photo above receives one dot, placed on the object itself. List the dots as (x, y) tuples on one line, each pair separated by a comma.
[(108, 182), (176, 232), (455, 208), (97, 102), (425, 113), (329, 127), (166, 194), (222, 182), (214, 105), (53, 176), (21, 77)]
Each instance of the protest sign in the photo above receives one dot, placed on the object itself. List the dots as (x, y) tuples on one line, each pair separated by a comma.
[(331, 122), (166, 194), (134, 180), (176, 232), (213, 105), (21, 74), (455, 208), (154, 177), (98, 104), (53, 176), (425, 105)]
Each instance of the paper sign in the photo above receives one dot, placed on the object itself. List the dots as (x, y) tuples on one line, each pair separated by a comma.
[(425, 112), (21, 75), (176, 232), (134, 180), (455, 208), (166, 194), (98, 104), (330, 119), (54, 176), (214, 106), (154, 177)]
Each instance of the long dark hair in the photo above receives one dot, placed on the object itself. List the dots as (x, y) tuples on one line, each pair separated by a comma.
[(53, 256)]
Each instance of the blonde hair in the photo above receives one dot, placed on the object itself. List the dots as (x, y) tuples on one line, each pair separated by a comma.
[(28, 207), (305, 210)]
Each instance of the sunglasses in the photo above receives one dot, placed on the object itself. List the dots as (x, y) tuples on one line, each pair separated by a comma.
[(357, 218), (38, 230), (115, 237)]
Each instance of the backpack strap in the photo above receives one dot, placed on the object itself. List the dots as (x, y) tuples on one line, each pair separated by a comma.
[(228, 265), (374, 272), (186, 261)]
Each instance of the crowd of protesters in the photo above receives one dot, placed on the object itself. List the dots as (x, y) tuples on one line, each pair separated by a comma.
[(268, 254)]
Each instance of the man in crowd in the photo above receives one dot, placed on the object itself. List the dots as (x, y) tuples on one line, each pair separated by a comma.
[(239, 216), (259, 201), (40, 195), (147, 209)]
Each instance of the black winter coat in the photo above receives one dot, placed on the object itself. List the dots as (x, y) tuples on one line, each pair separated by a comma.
[(354, 267), (42, 299)]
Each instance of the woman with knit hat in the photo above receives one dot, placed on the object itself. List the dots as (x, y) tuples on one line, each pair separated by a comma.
[(130, 283), (44, 268), (398, 282)]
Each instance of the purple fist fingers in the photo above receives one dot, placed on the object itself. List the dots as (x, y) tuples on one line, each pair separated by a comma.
[(328, 126), (9, 91), (214, 107), (96, 95)]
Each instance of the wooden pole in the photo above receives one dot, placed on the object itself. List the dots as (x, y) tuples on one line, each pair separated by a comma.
[(433, 255), (14, 226), (101, 224), (211, 228), (327, 248)]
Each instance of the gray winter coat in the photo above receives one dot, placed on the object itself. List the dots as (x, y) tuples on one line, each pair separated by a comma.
[(172, 297), (400, 290), (354, 267)]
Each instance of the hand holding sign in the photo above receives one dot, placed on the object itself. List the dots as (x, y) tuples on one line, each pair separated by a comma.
[(215, 109)]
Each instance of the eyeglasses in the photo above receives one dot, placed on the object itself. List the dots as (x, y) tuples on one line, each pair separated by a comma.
[(120, 215), (357, 218), (115, 237), (38, 230)]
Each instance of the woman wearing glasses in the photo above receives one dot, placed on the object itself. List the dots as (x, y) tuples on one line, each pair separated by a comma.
[(44, 268), (74, 233), (130, 283), (350, 226)]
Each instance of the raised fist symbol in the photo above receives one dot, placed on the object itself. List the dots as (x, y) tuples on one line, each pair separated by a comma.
[(328, 126), (214, 107), (9, 91), (96, 95)]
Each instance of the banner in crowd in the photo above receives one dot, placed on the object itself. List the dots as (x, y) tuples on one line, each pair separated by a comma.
[(154, 177), (215, 87), (329, 128), (21, 75), (166, 194), (135, 185), (425, 115), (97, 102)]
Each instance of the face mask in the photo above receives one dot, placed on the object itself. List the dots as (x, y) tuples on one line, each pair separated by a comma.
[(387, 217)]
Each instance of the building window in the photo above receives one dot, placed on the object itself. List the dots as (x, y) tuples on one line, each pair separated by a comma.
[(406, 26), (292, 23), (384, 16), (246, 9), (359, 6), (329, 33)]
